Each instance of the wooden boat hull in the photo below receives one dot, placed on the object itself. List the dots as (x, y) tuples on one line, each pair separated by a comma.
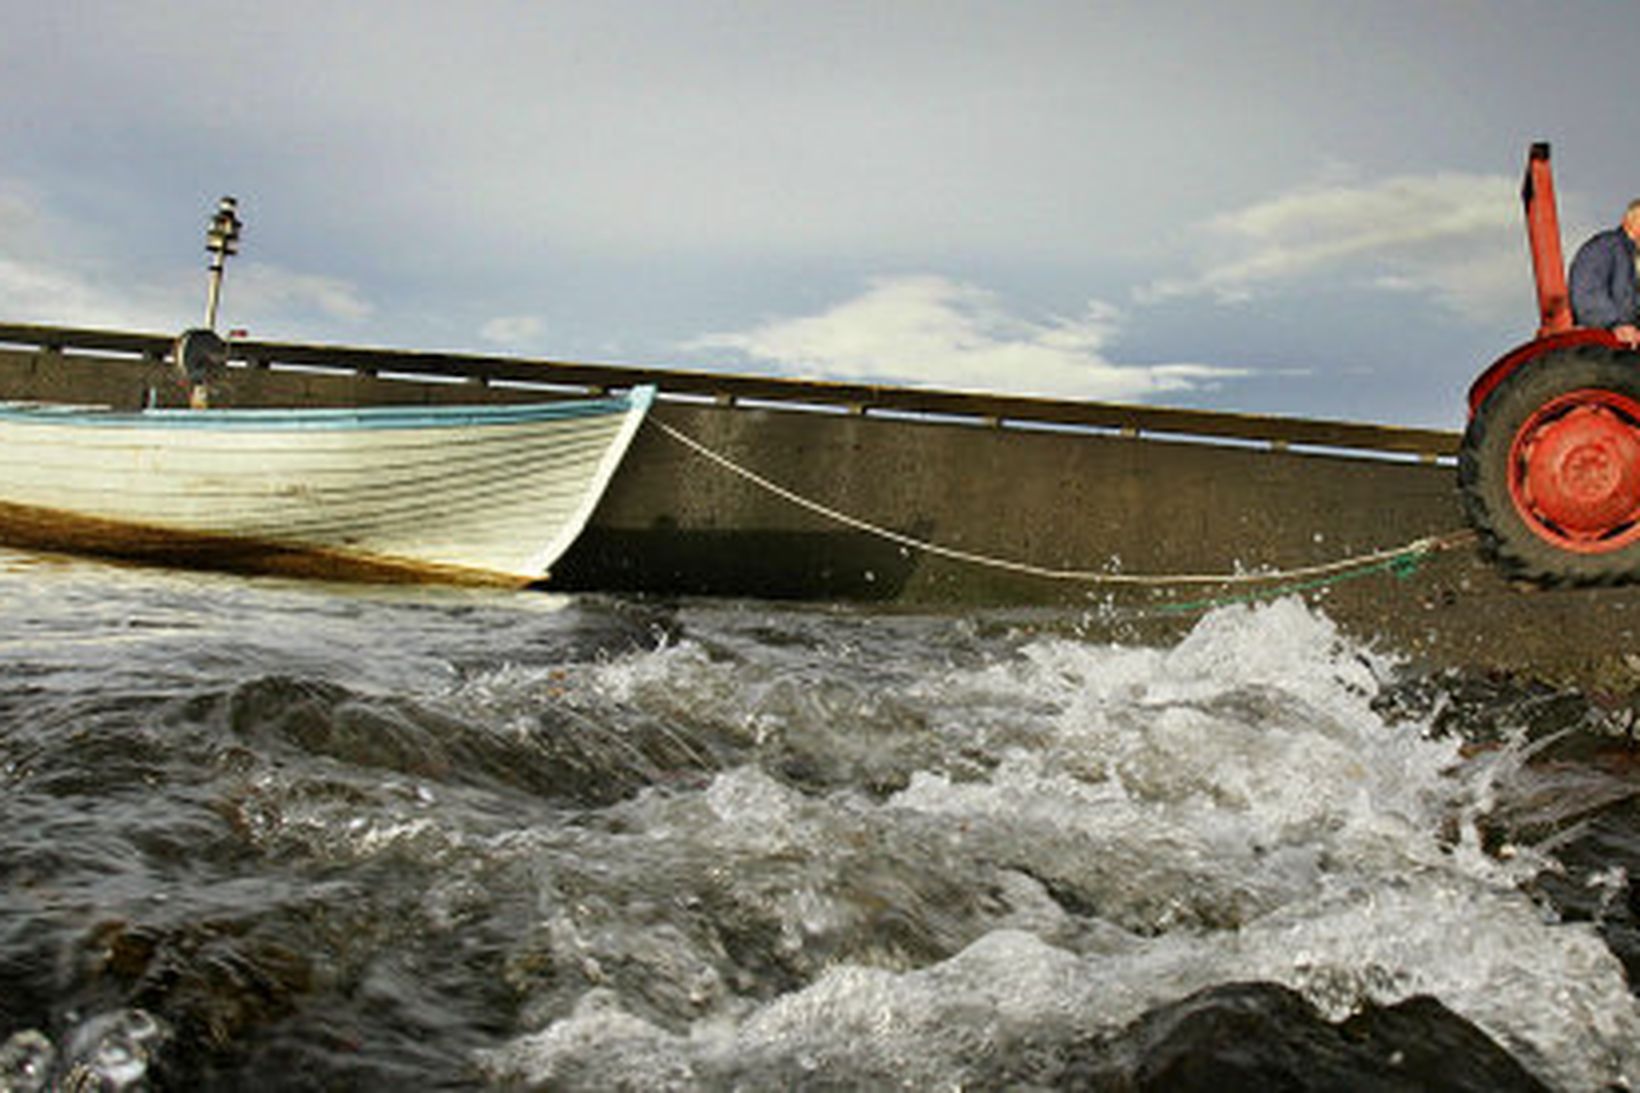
[(468, 493)]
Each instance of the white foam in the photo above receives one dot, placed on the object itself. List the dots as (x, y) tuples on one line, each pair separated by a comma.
[(1152, 822), (600, 1046)]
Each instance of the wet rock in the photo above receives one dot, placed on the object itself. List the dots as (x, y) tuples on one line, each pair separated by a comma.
[(1261, 1036), (26, 1060), (542, 746), (1445, 1051), (1600, 865), (212, 981), (113, 1052)]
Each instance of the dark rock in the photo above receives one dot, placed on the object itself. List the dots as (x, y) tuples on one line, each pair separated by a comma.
[(1425, 1038), (1265, 1038)]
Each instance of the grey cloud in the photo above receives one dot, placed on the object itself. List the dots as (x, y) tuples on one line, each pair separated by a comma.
[(1446, 234), (931, 330)]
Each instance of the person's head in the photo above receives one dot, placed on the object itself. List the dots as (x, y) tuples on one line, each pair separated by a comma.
[(1631, 220)]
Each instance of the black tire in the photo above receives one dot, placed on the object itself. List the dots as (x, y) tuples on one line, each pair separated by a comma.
[(1523, 550)]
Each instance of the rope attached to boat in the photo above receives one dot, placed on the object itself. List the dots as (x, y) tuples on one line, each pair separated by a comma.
[(1402, 560)]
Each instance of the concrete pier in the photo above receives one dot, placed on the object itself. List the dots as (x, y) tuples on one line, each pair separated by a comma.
[(746, 486)]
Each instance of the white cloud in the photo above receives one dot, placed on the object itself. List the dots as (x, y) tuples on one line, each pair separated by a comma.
[(932, 330), (52, 271), (22, 227), (76, 295), (45, 276), (1454, 236), (512, 330), (262, 288), (36, 291)]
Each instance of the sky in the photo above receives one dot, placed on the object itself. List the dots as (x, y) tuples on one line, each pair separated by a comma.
[(1298, 207)]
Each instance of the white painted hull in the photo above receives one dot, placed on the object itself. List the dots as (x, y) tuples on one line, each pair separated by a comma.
[(476, 492)]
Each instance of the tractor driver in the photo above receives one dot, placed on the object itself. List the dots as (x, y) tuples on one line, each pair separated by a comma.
[(1605, 282)]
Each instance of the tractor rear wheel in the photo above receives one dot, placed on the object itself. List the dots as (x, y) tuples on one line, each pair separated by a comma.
[(1549, 469)]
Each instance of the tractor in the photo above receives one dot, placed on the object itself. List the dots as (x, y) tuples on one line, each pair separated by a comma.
[(1549, 467)]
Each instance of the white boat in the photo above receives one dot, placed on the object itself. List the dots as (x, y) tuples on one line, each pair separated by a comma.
[(488, 493)]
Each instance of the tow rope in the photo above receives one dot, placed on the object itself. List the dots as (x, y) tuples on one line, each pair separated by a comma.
[(1402, 561)]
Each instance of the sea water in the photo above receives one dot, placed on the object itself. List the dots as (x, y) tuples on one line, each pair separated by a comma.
[(269, 834)]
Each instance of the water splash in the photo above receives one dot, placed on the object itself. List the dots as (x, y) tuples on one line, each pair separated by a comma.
[(108, 1053), (1142, 823), (392, 839)]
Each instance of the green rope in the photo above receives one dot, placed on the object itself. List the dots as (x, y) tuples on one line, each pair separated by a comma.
[(1404, 566)]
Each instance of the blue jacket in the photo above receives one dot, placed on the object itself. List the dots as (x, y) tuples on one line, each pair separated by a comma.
[(1603, 286)]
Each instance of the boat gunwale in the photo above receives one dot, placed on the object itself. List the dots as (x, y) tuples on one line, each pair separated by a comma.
[(443, 416)]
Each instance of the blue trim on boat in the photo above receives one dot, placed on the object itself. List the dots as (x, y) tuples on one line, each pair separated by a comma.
[(363, 417)]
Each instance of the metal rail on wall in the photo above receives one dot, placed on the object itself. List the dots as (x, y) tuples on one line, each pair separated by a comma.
[(728, 389)]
